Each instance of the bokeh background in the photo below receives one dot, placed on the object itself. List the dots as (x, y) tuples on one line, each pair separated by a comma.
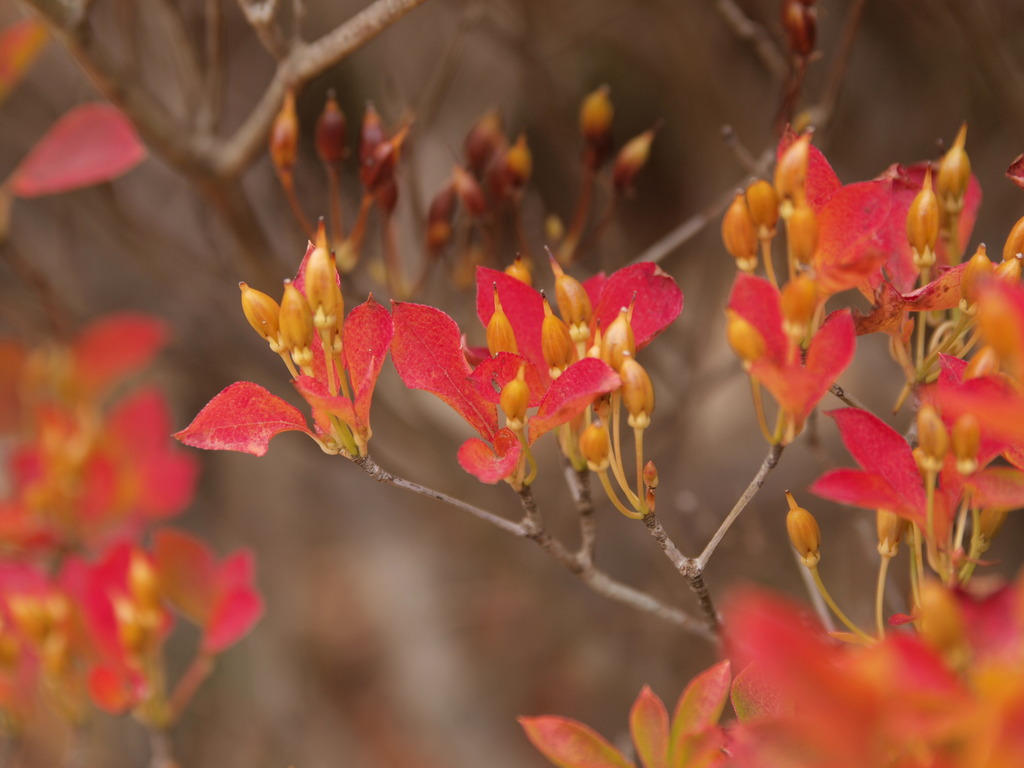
[(404, 633)]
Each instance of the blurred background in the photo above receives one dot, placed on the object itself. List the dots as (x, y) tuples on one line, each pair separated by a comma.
[(400, 632)]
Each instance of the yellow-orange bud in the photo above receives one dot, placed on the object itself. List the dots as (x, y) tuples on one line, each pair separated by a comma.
[(763, 205), (740, 235), (941, 623), (923, 224), (637, 393), (556, 342), (989, 523), (890, 531), (803, 233), (979, 268), (1014, 244), (262, 312), (596, 113), (998, 326), (966, 441), (791, 174), (296, 325), (631, 158), (284, 136), (617, 340), (518, 163), (984, 363), (573, 303), (500, 335), (954, 174), (799, 301), (650, 475), (932, 438), (143, 583), (804, 533), (595, 446), (515, 399), (744, 339), (520, 270), (1009, 270), (322, 290)]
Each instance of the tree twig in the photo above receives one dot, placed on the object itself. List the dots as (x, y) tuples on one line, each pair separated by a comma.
[(755, 35)]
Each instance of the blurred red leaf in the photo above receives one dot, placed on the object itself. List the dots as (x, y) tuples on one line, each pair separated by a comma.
[(237, 607), (1000, 488), (116, 346), (20, 44), (367, 338), (489, 462), (571, 393), (427, 352), (90, 144), (243, 417), (649, 726), (698, 709), (755, 696), (571, 744)]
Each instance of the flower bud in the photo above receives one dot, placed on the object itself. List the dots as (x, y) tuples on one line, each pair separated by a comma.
[(800, 20), (284, 136), (890, 531), (803, 233), (30, 616), (595, 445), (556, 342), (650, 475), (484, 139), (296, 324), (954, 174), (330, 132), (262, 312), (631, 158), (520, 270), (941, 624), (1014, 244), (923, 224), (439, 219), (518, 163), (1009, 270), (469, 192), (515, 399), (998, 326), (637, 392), (573, 303), (377, 172), (979, 268), (804, 533), (966, 441), (799, 300), (989, 523), (791, 175), (618, 340), (739, 234), (932, 438), (744, 339), (596, 114), (143, 583), (322, 290), (500, 335), (763, 204), (371, 136)]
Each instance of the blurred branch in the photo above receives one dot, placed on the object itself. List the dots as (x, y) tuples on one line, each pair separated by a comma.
[(578, 563), (754, 34), (821, 113), (262, 17), (213, 52)]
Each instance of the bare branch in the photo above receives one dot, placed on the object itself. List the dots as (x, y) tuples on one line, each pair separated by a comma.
[(304, 62), (753, 33), (262, 17), (213, 52)]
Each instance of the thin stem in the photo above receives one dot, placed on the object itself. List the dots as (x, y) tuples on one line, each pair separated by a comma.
[(835, 608), (766, 257), (846, 397), (883, 568), (609, 490), (188, 684), (689, 568), (755, 392), (769, 463)]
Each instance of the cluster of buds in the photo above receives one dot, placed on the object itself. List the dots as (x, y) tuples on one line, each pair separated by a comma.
[(378, 156)]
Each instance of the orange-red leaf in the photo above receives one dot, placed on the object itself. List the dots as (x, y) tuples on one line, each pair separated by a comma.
[(114, 347), (90, 144), (571, 393), (571, 744), (491, 462), (658, 300), (243, 417), (700, 705), (649, 726)]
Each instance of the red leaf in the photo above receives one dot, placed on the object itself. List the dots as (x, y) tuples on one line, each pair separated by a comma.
[(571, 393), (427, 353), (571, 744), (90, 144), (491, 464), (524, 307), (757, 301), (648, 724), (997, 488), (243, 417), (701, 703), (754, 695), (112, 690), (658, 300), (821, 181), (115, 347), (322, 402), (238, 606), (1016, 171), (851, 253), (367, 337), (20, 44)]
